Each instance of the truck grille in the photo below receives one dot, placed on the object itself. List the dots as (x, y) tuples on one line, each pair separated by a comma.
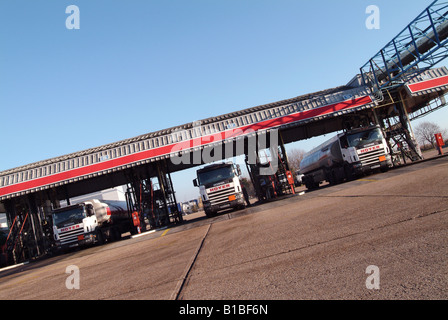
[(71, 236), (371, 158), (221, 196)]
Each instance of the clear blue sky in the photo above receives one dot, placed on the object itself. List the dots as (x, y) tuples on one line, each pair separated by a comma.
[(135, 66)]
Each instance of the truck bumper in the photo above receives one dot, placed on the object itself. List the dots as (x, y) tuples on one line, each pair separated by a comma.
[(238, 202), (383, 165), (83, 240), (356, 169), (87, 239), (66, 246)]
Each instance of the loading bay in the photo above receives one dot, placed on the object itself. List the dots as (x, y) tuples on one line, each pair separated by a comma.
[(313, 245)]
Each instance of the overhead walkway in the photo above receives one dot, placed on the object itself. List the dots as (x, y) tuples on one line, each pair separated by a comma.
[(422, 44), (162, 144)]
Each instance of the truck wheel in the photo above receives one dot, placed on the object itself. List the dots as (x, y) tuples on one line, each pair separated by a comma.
[(99, 237), (115, 234), (336, 176), (312, 185), (348, 172), (209, 213), (331, 177)]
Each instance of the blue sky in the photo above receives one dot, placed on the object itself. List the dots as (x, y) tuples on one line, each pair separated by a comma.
[(135, 67)]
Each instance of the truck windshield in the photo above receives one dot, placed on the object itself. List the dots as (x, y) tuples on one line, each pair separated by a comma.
[(364, 138), (66, 218), (214, 176)]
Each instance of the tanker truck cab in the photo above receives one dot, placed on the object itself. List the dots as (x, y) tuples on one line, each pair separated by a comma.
[(346, 156), (220, 187), (89, 222), (366, 149), (74, 225)]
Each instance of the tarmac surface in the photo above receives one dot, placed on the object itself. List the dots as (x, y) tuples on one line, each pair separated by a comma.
[(381, 237)]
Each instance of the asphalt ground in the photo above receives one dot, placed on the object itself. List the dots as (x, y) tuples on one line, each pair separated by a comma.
[(318, 245)]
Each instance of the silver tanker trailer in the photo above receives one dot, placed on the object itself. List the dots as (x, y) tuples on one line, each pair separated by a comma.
[(346, 156), (89, 222)]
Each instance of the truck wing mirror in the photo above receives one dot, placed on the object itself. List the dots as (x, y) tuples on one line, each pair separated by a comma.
[(89, 210), (238, 169), (195, 182)]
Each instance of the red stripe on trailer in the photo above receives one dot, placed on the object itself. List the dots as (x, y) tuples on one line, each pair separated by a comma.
[(428, 84), (165, 150)]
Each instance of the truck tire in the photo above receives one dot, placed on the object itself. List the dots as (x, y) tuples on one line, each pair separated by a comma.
[(115, 234), (209, 213), (348, 172), (311, 185), (99, 237), (335, 176), (331, 177)]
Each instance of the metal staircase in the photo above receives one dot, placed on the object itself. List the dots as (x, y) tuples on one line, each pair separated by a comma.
[(402, 145)]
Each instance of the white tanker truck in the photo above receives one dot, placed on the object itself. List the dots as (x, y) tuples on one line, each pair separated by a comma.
[(346, 156), (89, 222), (220, 187)]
